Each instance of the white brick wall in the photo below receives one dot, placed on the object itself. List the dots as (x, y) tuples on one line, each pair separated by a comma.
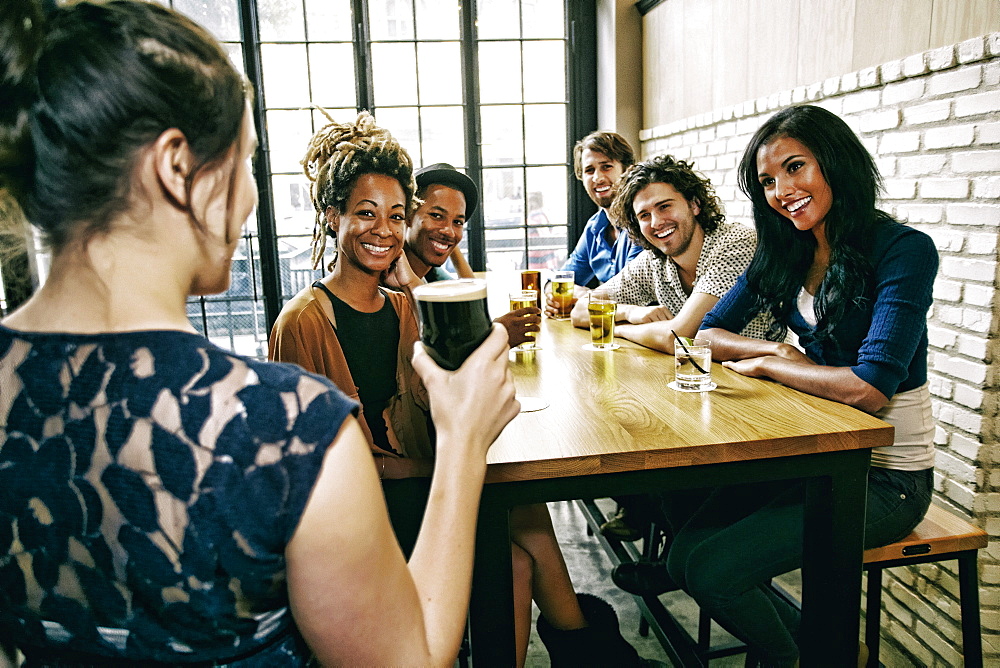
[(932, 121)]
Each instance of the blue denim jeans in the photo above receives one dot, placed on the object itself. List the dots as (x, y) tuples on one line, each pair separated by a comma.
[(743, 536)]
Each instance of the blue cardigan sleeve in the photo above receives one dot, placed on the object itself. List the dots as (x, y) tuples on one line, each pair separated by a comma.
[(734, 311), (903, 289)]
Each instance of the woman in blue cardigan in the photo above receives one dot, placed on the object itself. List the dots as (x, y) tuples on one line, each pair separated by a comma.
[(854, 285)]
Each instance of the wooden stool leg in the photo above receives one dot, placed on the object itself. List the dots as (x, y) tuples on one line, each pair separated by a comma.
[(968, 588), (873, 615)]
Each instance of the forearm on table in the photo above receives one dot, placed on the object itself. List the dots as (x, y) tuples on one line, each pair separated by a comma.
[(839, 384), (655, 335), (729, 346), (441, 563)]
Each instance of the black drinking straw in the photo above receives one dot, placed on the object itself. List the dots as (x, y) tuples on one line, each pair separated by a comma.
[(681, 341)]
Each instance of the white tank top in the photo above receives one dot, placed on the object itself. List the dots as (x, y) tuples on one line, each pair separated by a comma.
[(909, 412)]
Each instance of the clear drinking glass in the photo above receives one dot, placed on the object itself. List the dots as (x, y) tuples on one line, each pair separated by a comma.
[(601, 308), (693, 365), (562, 294), (524, 299), (531, 279)]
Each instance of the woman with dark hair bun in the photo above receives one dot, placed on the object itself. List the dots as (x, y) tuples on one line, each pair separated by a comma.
[(855, 287), (164, 501)]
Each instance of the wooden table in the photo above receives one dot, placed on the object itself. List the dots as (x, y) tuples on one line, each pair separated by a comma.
[(613, 427)]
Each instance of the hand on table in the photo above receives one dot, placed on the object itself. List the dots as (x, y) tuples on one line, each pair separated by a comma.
[(639, 315), (518, 323), (790, 352), (579, 292), (762, 367)]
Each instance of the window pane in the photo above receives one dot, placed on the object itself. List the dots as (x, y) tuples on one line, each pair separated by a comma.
[(499, 72), (504, 249), (295, 256), (440, 72), (288, 134), (235, 53), (332, 70), (394, 70), (329, 20), (338, 115), (437, 19), (286, 76), (503, 197), (547, 247), (234, 319), (403, 124), (502, 135), (219, 17), (498, 19), (280, 21), (545, 133), (543, 18), (547, 195), (293, 209), (390, 19), (545, 78), (443, 135)]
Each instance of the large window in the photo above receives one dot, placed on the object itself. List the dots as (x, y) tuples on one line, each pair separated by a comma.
[(486, 86)]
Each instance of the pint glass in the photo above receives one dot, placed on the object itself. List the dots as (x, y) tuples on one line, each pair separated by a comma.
[(602, 321), (453, 319), (562, 294), (531, 279)]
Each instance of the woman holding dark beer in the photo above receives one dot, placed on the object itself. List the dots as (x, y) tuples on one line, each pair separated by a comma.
[(165, 501), (855, 286), (350, 328)]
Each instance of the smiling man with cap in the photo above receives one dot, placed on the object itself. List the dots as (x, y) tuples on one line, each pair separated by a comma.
[(449, 198)]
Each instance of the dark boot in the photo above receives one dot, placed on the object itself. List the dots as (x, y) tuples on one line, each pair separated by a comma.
[(598, 644)]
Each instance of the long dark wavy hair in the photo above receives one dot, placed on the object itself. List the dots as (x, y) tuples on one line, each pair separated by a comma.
[(784, 254)]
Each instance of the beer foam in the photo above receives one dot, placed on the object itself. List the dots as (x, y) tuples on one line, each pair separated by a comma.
[(458, 290)]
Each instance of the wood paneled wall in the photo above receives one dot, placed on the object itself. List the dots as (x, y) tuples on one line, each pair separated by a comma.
[(701, 55)]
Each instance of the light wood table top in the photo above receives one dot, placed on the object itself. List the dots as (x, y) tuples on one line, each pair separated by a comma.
[(612, 411)]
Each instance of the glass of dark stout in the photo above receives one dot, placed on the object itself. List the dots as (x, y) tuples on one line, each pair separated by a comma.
[(453, 319)]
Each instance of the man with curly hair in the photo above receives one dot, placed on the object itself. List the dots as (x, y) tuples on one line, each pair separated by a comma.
[(691, 255)]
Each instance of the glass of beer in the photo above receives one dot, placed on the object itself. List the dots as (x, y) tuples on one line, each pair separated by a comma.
[(524, 299), (453, 319), (562, 294), (601, 308), (531, 279), (693, 365)]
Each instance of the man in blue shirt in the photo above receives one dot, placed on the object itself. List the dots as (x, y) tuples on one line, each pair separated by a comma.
[(599, 159)]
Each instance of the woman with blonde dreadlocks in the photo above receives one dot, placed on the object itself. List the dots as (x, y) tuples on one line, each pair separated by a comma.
[(362, 189), (349, 328)]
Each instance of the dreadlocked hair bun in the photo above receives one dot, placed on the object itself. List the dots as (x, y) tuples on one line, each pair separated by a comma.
[(340, 153)]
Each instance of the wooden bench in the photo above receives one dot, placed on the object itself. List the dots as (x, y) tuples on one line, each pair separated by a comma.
[(940, 536)]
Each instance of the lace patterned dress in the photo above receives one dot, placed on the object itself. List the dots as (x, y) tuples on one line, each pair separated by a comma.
[(149, 483)]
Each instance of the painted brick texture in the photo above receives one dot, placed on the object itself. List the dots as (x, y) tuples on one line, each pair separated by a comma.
[(932, 121)]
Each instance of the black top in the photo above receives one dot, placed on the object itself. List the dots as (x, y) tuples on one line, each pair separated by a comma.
[(370, 342), (149, 483)]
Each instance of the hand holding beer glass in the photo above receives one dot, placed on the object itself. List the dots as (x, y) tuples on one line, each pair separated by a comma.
[(562, 295), (601, 308), (520, 299), (453, 319)]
